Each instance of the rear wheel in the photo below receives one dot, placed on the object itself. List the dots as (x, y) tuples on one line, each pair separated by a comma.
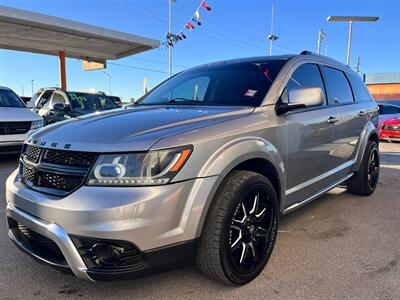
[(364, 182), (240, 229)]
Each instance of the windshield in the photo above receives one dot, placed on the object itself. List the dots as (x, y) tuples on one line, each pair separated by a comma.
[(90, 102), (9, 99), (239, 84)]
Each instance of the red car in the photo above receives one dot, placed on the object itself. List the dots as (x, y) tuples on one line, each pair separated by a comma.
[(391, 130)]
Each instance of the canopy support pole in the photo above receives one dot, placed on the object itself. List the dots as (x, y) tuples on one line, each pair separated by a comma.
[(63, 76)]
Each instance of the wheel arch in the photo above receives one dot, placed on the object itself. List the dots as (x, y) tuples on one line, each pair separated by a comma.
[(251, 154), (368, 133)]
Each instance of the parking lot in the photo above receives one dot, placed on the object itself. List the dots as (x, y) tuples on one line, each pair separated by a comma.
[(340, 246)]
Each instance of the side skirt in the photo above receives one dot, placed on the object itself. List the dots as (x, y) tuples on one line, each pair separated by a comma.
[(315, 196)]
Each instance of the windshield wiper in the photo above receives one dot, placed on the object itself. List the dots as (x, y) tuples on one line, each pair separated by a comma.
[(184, 101)]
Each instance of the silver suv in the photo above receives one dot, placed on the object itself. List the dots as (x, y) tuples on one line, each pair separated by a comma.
[(200, 169)]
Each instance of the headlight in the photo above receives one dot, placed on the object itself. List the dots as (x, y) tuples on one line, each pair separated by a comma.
[(37, 124), (138, 169)]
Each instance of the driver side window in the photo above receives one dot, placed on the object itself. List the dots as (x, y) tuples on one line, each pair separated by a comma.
[(307, 75)]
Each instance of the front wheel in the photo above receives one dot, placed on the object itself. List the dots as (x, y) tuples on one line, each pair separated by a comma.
[(364, 181), (240, 229)]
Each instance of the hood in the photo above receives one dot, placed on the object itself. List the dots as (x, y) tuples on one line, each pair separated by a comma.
[(134, 128), (17, 114)]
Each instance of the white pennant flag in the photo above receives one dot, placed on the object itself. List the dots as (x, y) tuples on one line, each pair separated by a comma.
[(197, 14)]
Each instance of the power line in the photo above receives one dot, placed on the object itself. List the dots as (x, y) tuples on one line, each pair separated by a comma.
[(159, 62), (137, 68)]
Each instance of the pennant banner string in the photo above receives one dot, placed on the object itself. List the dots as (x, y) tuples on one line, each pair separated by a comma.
[(195, 20)]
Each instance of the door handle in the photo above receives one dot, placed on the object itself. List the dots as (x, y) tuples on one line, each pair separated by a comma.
[(332, 120), (362, 113)]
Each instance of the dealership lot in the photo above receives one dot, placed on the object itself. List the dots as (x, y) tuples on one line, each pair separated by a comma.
[(339, 246)]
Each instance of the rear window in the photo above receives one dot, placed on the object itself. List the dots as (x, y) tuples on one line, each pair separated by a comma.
[(239, 84), (388, 109), (339, 90), (359, 89), (90, 102), (10, 99)]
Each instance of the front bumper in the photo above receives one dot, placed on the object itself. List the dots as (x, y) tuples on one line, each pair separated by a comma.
[(13, 143), (159, 221), (390, 135)]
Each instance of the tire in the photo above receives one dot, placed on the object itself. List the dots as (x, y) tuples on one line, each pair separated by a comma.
[(240, 229), (364, 181)]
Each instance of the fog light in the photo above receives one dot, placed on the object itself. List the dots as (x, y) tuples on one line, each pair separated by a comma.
[(106, 255)]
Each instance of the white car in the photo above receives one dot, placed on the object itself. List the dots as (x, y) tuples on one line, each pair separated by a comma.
[(16, 122)]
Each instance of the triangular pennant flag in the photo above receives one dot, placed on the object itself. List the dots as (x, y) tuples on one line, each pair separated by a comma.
[(197, 14), (189, 26), (204, 5), (196, 21)]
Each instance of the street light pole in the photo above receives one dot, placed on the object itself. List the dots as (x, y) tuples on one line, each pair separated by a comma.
[(349, 42), (271, 36), (351, 19), (32, 86)]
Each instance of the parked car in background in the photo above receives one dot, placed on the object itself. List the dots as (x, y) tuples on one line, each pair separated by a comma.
[(16, 122), (388, 110), (199, 169), (390, 130), (26, 100), (55, 105), (117, 100)]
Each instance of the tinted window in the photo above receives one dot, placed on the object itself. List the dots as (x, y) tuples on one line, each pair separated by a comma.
[(244, 84), (43, 99), (10, 99), (339, 90), (388, 109), (307, 75), (90, 102), (359, 89)]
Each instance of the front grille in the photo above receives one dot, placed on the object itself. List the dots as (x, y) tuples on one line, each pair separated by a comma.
[(68, 158), (391, 127), (32, 153), (14, 127), (61, 182), (29, 173), (41, 241), (57, 172)]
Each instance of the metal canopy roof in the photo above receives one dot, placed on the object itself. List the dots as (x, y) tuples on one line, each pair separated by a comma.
[(38, 33)]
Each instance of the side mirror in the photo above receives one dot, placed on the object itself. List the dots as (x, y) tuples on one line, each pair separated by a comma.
[(59, 107), (301, 98)]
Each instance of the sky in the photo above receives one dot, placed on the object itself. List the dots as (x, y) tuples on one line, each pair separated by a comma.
[(232, 29)]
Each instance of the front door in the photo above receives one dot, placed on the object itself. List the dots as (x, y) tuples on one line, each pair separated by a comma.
[(310, 137)]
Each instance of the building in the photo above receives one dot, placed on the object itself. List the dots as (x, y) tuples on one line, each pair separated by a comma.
[(384, 86)]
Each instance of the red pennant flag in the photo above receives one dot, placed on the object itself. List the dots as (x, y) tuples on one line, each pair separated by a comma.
[(189, 26), (204, 5)]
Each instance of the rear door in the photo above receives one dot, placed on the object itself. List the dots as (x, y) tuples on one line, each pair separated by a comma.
[(309, 139), (349, 116)]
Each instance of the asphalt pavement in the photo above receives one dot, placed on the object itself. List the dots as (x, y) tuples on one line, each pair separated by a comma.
[(340, 246)]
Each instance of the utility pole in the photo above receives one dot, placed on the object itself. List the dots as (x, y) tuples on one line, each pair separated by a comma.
[(170, 31), (271, 36), (321, 36), (32, 86), (358, 65), (109, 82)]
